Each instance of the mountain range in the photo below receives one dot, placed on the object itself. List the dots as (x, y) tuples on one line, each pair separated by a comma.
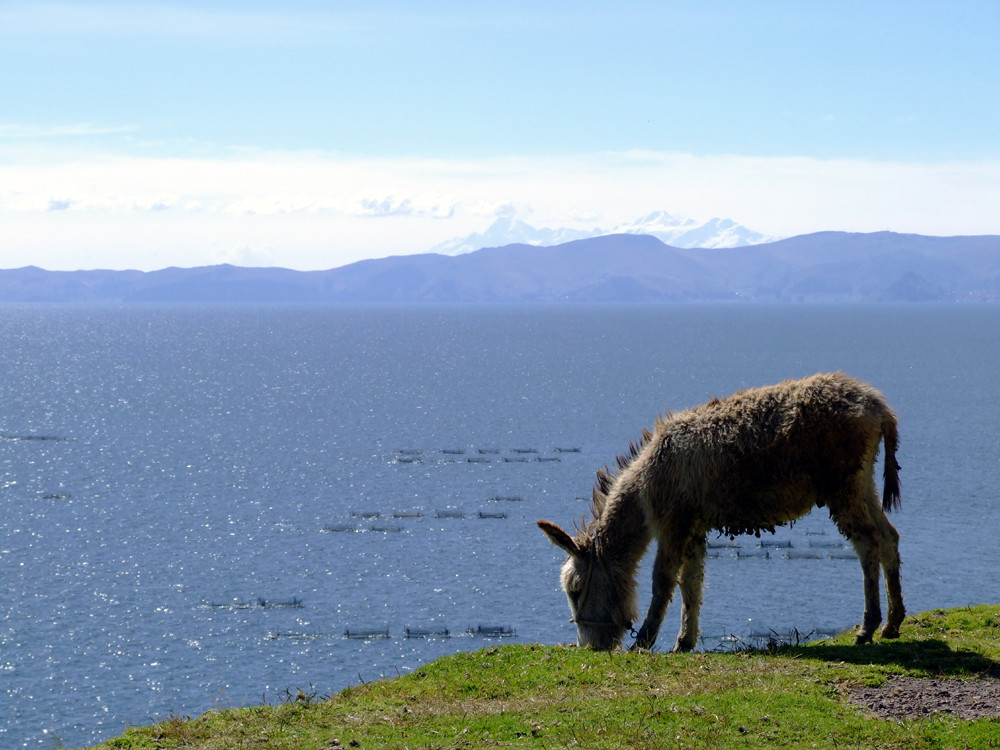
[(672, 230), (619, 268)]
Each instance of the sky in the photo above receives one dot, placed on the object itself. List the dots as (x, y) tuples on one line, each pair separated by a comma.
[(310, 134)]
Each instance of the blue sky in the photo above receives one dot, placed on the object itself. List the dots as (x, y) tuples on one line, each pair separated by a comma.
[(311, 134)]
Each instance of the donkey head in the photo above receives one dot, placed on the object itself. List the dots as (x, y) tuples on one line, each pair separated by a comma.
[(602, 610)]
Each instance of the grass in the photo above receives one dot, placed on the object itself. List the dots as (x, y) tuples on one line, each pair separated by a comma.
[(536, 696)]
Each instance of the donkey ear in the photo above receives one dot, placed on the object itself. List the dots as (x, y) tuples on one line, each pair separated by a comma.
[(560, 538)]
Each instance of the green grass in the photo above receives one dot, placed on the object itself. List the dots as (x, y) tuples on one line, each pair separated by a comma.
[(563, 697)]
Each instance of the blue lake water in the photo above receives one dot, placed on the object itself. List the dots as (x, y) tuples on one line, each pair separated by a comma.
[(188, 493)]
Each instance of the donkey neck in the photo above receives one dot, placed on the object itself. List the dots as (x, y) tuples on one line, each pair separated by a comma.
[(622, 532)]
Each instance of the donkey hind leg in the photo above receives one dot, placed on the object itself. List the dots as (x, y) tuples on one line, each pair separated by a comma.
[(665, 569), (867, 547), (888, 557), (691, 580), (876, 542), (889, 549)]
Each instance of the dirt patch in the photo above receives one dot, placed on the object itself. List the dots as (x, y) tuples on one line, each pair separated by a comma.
[(911, 698)]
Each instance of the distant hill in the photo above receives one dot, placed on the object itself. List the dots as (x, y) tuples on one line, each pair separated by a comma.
[(823, 267)]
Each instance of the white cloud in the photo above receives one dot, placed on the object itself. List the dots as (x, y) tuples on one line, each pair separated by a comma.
[(320, 210), (431, 206), (389, 206)]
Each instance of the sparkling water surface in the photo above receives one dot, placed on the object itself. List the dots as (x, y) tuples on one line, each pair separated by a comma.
[(189, 493)]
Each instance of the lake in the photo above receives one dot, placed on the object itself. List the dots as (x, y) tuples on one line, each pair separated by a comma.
[(199, 502)]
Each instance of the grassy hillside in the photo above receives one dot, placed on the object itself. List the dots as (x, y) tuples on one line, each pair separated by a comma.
[(557, 696)]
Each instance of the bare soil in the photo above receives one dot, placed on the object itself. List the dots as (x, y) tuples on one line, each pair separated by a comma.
[(910, 697)]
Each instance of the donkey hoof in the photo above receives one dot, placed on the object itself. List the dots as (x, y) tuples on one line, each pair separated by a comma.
[(891, 629), (642, 643), (890, 632), (862, 639)]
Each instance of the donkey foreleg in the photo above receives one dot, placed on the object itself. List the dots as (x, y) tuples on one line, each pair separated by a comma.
[(665, 569), (692, 579)]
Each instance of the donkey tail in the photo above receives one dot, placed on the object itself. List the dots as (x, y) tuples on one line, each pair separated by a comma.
[(890, 468)]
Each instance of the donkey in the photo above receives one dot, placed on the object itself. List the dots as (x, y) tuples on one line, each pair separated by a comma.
[(743, 464)]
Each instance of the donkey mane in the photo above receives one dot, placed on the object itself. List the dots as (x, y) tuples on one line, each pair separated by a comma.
[(606, 477)]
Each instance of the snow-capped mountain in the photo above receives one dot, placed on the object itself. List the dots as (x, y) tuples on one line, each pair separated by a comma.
[(675, 231), (507, 231), (688, 233)]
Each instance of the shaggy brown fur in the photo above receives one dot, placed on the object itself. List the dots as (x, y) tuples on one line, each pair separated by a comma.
[(739, 465)]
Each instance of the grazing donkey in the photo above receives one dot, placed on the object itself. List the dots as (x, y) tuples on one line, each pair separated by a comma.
[(739, 465)]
